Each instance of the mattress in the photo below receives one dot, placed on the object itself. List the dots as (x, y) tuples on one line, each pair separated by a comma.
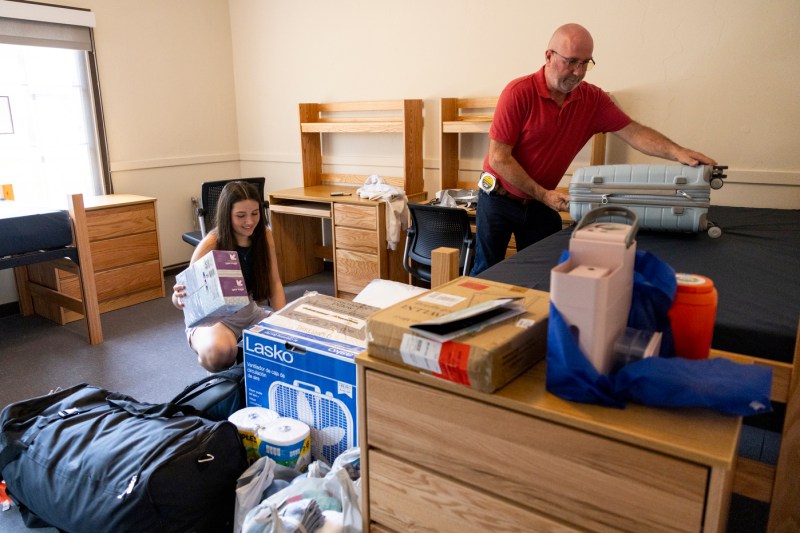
[(754, 265), (28, 228)]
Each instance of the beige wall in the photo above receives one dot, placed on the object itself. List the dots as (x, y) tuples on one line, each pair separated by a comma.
[(715, 76), (198, 89), (166, 76)]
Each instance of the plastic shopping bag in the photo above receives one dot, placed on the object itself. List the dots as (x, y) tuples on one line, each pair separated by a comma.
[(330, 503)]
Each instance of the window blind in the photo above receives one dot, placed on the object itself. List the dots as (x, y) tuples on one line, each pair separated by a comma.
[(42, 25)]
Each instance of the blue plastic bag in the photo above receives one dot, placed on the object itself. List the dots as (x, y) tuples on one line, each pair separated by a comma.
[(666, 381)]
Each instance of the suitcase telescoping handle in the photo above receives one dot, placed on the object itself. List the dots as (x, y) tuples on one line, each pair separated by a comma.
[(610, 211)]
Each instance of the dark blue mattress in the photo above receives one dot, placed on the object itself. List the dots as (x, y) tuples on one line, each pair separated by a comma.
[(26, 228), (755, 266)]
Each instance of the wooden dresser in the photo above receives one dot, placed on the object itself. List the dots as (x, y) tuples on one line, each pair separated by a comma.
[(123, 236), (441, 457)]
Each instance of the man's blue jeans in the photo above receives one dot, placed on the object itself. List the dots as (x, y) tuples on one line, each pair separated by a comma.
[(498, 217)]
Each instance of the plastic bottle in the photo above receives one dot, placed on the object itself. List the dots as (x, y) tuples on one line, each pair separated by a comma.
[(692, 315)]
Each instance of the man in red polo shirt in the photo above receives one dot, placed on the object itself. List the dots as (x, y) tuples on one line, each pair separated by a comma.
[(540, 124)]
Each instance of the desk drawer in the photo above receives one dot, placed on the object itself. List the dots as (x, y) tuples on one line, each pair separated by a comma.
[(355, 216), (358, 240), (585, 480), (110, 222), (403, 495), (354, 270)]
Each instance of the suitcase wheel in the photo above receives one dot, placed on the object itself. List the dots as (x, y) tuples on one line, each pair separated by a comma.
[(714, 231), (716, 183)]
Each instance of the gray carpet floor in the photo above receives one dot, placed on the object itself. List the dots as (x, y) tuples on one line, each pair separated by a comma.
[(144, 355)]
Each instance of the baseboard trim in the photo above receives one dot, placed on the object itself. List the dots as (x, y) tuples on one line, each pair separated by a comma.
[(9, 309), (171, 270)]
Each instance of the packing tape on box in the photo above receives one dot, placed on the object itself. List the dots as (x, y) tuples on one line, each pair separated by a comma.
[(287, 442), (248, 421)]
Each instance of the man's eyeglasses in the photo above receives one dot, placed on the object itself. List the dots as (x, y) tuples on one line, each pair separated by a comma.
[(573, 62)]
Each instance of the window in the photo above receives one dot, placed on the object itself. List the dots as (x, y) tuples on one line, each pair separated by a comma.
[(56, 145)]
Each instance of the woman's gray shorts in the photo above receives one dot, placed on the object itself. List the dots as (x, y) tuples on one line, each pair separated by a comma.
[(237, 322)]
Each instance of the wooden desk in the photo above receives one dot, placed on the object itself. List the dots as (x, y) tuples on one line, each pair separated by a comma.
[(437, 456), (358, 249)]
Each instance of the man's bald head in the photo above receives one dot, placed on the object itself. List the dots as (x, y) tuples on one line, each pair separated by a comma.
[(572, 40)]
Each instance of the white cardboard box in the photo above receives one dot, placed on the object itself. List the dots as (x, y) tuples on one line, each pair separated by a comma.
[(214, 287), (300, 363)]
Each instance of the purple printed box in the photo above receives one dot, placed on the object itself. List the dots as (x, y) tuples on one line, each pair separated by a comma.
[(214, 287)]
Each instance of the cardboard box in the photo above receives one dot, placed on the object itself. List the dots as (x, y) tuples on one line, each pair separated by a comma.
[(300, 363), (214, 287), (485, 357)]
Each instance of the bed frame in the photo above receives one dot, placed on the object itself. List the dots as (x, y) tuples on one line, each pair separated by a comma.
[(77, 259), (753, 479)]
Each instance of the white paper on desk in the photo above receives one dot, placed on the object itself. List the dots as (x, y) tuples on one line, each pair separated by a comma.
[(468, 320)]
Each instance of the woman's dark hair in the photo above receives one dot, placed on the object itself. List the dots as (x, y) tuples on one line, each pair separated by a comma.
[(233, 192)]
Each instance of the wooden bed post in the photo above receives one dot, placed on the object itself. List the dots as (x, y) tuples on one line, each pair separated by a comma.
[(91, 309), (784, 510), (444, 266)]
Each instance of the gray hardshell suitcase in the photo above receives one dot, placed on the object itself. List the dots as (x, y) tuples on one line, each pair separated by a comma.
[(664, 197)]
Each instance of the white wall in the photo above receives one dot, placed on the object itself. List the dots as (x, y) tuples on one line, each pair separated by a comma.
[(201, 89)]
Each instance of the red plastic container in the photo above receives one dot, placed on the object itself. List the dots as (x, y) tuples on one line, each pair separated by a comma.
[(692, 315)]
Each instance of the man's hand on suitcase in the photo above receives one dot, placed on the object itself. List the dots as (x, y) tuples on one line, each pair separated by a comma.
[(556, 200), (692, 158)]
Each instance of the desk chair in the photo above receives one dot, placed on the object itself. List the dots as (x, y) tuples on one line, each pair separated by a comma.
[(207, 208), (433, 227)]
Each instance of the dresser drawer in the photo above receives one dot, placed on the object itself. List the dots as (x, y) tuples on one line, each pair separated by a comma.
[(118, 281), (112, 222), (355, 216), (354, 270), (403, 495), (573, 476), (120, 251), (359, 240)]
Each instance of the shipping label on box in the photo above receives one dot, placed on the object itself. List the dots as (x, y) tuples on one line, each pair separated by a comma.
[(304, 368), (214, 287), (501, 332)]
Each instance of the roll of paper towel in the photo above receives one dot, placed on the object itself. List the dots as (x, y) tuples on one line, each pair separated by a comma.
[(248, 421), (286, 441)]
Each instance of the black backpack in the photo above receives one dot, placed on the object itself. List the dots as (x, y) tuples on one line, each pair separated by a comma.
[(85, 459), (216, 396)]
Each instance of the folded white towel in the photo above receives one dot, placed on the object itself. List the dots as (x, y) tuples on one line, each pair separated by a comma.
[(376, 188)]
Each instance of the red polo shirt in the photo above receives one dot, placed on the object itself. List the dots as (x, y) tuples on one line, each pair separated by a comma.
[(546, 137)]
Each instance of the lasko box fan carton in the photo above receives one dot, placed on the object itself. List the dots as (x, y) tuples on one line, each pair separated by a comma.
[(300, 362), (214, 287), (476, 332)]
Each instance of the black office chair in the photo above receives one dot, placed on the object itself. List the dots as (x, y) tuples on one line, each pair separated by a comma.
[(207, 209), (434, 226)]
